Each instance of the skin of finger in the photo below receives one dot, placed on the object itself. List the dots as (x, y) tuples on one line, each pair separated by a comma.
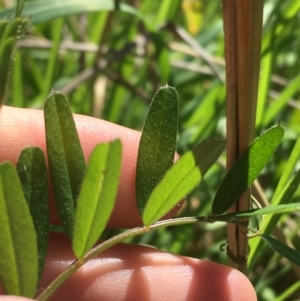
[(127, 272), (14, 298), (20, 128)]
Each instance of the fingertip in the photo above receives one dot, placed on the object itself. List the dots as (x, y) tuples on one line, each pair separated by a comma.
[(128, 272), (226, 283), (14, 298)]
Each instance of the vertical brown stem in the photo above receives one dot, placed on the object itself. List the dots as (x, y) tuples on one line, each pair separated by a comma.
[(243, 30)]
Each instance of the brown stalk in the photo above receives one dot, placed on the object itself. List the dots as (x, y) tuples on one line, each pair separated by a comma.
[(243, 31)]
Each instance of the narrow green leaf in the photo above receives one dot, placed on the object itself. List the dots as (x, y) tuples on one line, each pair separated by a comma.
[(19, 258), (43, 11), (283, 194), (282, 249), (275, 110), (181, 178), (65, 157), (97, 196), (32, 171), (246, 169), (157, 144), (279, 209), (10, 33), (5, 64), (3, 25)]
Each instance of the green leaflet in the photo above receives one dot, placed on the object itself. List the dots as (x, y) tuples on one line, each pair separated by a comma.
[(65, 157), (246, 169), (282, 249), (19, 258), (97, 196), (157, 144), (279, 209), (32, 171), (181, 178), (283, 194)]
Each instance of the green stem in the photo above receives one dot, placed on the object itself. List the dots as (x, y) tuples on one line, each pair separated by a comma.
[(19, 8), (58, 281)]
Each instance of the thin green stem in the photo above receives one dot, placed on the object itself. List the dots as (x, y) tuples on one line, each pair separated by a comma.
[(19, 8), (57, 282), (232, 218)]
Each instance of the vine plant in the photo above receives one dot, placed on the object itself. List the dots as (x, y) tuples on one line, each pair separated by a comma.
[(85, 194)]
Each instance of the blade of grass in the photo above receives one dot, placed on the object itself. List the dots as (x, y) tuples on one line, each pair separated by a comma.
[(275, 109), (279, 209), (43, 11), (56, 30), (11, 32), (265, 77), (17, 82), (294, 288), (282, 249)]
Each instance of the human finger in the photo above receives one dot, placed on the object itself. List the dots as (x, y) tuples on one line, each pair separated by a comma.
[(14, 298), (127, 272)]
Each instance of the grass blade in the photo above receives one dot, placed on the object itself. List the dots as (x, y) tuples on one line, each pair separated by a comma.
[(65, 157), (32, 171), (43, 11), (246, 169), (10, 32), (257, 212), (275, 110), (283, 194), (97, 196), (282, 249), (180, 179), (19, 259), (157, 144)]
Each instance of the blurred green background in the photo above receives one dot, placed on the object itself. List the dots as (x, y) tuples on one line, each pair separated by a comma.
[(110, 57)]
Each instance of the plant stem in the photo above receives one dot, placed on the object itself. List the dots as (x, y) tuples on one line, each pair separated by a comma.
[(232, 218), (58, 281), (243, 30)]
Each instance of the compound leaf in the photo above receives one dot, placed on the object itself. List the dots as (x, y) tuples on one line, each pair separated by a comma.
[(181, 178)]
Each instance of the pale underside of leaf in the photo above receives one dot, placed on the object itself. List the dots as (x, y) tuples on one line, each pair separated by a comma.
[(181, 179)]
